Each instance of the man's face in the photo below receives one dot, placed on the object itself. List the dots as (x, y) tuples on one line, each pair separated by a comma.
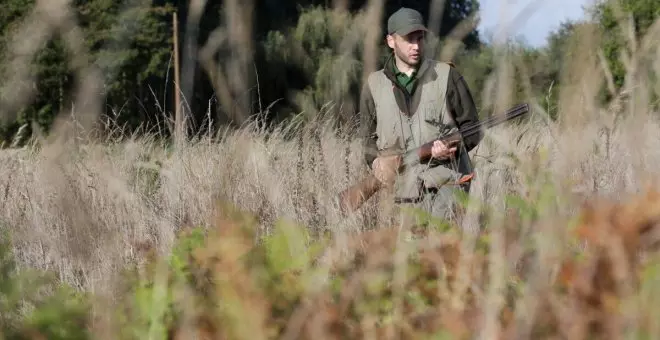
[(408, 48)]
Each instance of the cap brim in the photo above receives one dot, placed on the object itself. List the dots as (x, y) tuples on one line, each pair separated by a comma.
[(410, 29)]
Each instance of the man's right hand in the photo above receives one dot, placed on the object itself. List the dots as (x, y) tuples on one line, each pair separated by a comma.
[(386, 168), (441, 150)]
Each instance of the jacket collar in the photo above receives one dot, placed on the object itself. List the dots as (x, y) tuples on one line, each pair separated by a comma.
[(389, 67)]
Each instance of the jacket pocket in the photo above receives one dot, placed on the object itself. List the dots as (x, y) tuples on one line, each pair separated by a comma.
[(438, 176), (408, 184)]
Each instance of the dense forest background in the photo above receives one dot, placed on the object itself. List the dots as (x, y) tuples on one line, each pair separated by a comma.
[(291, 60)]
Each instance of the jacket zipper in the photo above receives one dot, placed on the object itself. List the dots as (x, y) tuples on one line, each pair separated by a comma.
[(408, 99)]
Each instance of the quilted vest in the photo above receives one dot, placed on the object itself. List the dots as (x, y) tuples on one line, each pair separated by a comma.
[(431, 119)]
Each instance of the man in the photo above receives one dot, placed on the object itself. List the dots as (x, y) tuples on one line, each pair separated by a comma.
[(412, 101)]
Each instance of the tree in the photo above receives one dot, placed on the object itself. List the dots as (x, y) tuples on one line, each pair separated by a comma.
[(299, 50), (320, 59), (49, 69), (132, 47), (611, 16)]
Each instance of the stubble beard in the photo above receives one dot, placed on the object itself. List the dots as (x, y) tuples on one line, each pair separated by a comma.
[(404, 58)]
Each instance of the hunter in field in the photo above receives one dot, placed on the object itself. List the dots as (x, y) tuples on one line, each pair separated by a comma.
[(412, 100)]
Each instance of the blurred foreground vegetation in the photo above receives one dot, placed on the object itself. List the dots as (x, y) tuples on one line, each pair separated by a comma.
[(221, 283)]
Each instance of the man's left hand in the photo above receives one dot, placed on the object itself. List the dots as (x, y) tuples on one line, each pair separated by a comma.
[(441, 151)]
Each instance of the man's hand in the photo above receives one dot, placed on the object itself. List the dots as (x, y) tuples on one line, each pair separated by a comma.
[(441, 151), (385, 168)]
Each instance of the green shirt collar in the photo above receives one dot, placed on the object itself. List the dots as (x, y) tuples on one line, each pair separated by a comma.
[(407, 82)]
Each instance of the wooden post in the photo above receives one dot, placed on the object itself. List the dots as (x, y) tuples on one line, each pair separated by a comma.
[(178, 120)]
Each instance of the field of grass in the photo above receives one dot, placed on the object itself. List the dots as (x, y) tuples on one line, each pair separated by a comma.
[(240, 237)]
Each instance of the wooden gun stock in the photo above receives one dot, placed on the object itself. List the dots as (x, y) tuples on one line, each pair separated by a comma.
[(352, 198)]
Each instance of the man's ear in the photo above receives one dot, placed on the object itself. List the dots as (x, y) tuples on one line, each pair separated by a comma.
[(390, 40)]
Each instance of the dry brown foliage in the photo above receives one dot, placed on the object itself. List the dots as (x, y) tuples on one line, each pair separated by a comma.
[(390, 287), (607, 274)]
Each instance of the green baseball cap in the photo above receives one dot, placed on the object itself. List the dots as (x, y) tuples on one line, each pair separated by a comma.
[(404, 21)]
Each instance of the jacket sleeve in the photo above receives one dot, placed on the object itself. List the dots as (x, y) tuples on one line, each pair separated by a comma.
[(367, 125), (462, 107)]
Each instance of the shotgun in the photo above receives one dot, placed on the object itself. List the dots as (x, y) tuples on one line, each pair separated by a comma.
[(351, 198)]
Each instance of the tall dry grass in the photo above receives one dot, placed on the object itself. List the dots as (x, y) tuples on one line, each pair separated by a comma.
[(88, 208)]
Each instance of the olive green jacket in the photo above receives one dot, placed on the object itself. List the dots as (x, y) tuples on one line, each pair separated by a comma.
[(391, 117)]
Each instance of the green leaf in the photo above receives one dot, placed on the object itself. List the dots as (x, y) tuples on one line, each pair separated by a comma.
[(287, 248)]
